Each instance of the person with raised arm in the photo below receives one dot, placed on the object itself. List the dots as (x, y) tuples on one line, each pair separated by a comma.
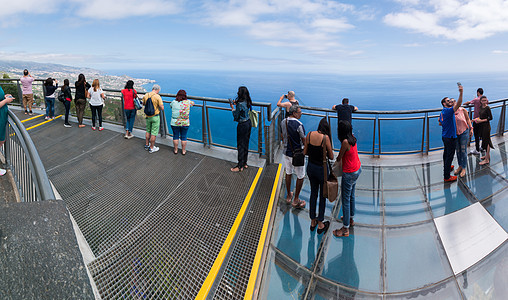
[(291, 101), (66, 90), (449, 132), (80, 98), (240, 108)]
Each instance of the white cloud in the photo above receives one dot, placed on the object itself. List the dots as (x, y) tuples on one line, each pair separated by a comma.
[(10, 8), (311, 25), (500, 52), (114, 9), (452, 19)]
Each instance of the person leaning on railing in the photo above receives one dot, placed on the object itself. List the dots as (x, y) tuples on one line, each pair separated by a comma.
[(51, 86), (6, 99), (80, 98), (180, 109), (153, 121)]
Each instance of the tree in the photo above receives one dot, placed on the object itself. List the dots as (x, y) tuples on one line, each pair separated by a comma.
[(10, 87)]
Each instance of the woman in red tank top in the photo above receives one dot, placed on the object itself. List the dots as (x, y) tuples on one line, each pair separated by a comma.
[(351, 167)]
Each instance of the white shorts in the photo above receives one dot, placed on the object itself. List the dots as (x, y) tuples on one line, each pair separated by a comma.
[(290, 169)]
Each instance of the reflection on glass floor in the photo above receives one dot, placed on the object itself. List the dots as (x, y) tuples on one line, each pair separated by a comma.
[(394, 250)]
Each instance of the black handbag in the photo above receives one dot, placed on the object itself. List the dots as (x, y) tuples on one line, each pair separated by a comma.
[(298, 156)]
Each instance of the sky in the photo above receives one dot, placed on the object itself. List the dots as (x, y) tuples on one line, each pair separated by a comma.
[(316, 36)]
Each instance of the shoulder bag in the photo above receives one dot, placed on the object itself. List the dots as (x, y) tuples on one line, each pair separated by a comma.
[(137, 103), (254, 117), (330, 184), (298, 156)]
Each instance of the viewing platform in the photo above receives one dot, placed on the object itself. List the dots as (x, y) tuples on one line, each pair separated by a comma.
[(165, 226)]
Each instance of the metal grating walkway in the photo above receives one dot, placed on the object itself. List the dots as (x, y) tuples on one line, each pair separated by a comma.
[(155, 222)]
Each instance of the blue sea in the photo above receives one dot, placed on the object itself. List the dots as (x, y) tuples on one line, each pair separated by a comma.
[(367, 92)]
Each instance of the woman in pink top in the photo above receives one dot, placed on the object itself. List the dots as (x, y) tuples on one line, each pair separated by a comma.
[(351, 168), (464, 130)]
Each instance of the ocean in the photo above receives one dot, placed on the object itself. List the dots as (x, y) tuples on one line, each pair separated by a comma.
[(367, 92)]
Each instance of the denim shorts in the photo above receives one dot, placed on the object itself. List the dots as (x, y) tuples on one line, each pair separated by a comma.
[(180, 132)]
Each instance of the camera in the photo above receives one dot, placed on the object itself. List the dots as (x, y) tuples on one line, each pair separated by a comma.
[(285, 96)]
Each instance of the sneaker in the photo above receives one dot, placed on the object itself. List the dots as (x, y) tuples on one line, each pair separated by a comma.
[(474, 152), (2, 172), (125, 136), (451, 179), (67, 125), (147, 147), (93, 128), (46, 118), (130, 136), (101, 128), (30, 113), (154, 149)]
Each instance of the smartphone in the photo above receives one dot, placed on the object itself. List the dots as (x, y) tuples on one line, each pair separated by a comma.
[(459, 84), (10, 96), (230, 101), (285, 96)]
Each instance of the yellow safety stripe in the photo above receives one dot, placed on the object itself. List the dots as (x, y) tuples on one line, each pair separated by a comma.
[(47, 121)]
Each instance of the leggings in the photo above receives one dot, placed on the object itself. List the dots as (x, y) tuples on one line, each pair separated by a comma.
[(96, 110)]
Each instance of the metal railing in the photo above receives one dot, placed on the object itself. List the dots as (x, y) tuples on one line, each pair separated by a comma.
[(25, 164), (411, 131), (378, 132)]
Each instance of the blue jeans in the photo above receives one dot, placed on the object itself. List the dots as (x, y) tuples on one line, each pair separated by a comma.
[(348, 185), (180, 132), (50, 107), (461, 148), (315, 174), (130, 117)]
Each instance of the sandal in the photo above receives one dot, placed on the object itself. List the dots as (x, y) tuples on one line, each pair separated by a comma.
[(463, 173), (484, 162), (289, 198), (343, 232), (236, 169), (313, 227), (324, 229), (299, 204)]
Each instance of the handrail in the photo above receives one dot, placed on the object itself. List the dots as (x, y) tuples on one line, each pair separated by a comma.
[(20, 150)]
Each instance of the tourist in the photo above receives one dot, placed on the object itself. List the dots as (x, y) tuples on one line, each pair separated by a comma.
[(449, 133), (66, 90), (153, 121), (291, 101), (464, 130), (96, 102), (129, 94), (80, 98), (483, 120), (4, 109), (26, 90), (351, 170), (180, 109), (243, 104), (293, 135), (51, 85), (344, 112), (316, 144), (477, 133)]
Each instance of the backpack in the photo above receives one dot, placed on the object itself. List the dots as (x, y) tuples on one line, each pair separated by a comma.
[(60, 95), (149, 108)]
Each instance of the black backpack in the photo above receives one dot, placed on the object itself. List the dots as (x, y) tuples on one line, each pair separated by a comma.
[(149, 109), (60, 96)]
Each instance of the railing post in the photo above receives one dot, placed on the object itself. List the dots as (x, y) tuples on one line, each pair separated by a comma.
[(20, 93), (204, 122), (123, 113), (427, 148), (500, 124), (7, 146), (471, 118), (378, 133), (260, 133), (208, 130)]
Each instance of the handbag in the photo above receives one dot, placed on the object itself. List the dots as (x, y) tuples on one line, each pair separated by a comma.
[(254, 117), (87, 94), (137, 103), (330, 183), (298, 156)]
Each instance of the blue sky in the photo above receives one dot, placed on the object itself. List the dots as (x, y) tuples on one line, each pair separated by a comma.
[(319, 36)]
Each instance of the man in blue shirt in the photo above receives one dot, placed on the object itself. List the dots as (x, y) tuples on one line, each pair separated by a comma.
[(449, 133)]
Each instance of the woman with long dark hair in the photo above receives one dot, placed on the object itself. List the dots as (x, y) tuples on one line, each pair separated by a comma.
[(50, 86), (351, 170), (317, 143), (243, 104), (483, 120), (80, 98), (128, 94), (66, 90), (180, 109)]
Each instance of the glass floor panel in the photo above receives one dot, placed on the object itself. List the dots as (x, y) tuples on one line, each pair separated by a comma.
[(394, 251), (403, 207), (445, 199), (414, 258)]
